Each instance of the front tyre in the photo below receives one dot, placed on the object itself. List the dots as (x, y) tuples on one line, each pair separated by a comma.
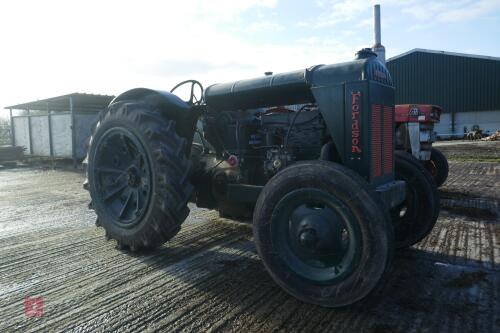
[(438, 166), (138, 176), (322, 234), (416, 216)]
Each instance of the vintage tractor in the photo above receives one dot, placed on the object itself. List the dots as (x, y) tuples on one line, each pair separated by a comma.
[(308, 153), (415, 135)]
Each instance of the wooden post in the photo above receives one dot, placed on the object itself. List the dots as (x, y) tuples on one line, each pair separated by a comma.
[(12, 136), (49, 118), (73, 136), (30, 139)]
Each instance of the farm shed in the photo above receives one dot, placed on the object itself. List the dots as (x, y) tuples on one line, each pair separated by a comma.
[(466, 86), (57, 126)]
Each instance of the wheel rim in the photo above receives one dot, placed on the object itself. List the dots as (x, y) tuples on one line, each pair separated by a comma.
[(432, 167), (122, 174), (404, 216), (316, 236)]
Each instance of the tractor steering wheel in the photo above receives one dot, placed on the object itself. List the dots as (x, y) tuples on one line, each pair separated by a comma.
[(193, 100)]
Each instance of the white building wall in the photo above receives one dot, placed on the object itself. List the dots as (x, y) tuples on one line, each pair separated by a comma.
[(40, 134), (488, 121), (61, 135), (443, 128), (21, 133)]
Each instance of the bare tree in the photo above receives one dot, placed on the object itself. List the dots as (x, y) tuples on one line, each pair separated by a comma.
[(4, 132)]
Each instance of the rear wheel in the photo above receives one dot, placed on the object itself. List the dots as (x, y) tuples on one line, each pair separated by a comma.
[(138, 176), (322, 234), (438, 166), (414, 218)]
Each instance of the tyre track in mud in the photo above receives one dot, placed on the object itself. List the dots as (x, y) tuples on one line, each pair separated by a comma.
[(473, 180), (135, 268), (43, 257), (138, 288), (116, 259), (209, 277)]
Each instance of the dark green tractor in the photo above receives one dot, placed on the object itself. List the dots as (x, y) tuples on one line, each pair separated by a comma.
[(309, 154)]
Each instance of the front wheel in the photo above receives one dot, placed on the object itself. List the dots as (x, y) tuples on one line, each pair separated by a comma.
[(416, 216), (322, 234), (438, 166)]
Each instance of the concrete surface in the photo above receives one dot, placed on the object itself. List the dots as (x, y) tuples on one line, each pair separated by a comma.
[(209, 278)]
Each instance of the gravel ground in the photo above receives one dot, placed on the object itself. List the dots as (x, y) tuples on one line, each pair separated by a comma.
[(470, 150), (209, 277)]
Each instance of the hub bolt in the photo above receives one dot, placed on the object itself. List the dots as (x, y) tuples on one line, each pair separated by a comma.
[(308, 238)]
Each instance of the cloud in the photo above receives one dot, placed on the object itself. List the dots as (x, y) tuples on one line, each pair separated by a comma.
[(54, 47), (264, 26), (337, 12), (450, 11), (365, 23), (189, 67), (470, 11), (429, 14), (313, 40), (342, 11), (419, 26), (57, 47), (228, 10)]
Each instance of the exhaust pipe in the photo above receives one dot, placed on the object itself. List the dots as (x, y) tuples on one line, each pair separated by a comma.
[(378, 48)]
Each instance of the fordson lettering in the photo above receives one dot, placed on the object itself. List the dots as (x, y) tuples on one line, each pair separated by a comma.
[(355, 125)]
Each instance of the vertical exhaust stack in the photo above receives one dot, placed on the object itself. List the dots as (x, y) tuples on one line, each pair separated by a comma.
[(378, 48)]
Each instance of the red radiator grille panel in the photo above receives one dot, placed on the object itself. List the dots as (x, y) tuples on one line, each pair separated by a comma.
[(376, 144), (388, 139)]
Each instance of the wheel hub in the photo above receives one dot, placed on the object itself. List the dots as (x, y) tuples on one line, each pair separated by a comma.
[(122, 174), (319, 234), (133, 177), (308, 238), (314, 235)]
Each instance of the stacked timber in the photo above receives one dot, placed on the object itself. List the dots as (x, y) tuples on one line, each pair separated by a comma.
[(11, 153), (493, 137)]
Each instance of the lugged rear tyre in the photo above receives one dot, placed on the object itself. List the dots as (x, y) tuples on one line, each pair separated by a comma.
[(322, 234), (138, 175)]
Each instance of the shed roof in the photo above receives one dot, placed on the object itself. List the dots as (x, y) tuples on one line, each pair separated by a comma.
[(466, 55), (81, 102)]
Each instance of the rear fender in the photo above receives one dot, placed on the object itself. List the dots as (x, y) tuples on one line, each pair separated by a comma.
[(170, 105)]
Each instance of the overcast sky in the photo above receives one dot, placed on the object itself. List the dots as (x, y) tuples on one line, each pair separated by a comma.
[(51, 48)]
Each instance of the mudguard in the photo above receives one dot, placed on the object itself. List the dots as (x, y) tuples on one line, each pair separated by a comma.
[(168, 104)]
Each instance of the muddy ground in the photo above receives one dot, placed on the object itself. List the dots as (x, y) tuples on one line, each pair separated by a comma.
[(465, 150), (209, 278)]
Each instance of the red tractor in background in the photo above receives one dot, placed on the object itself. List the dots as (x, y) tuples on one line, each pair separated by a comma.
[(415, 134)]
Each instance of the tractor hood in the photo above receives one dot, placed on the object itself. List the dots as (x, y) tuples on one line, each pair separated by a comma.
[(294, 87)]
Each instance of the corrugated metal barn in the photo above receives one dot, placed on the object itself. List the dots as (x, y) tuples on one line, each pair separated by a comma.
[(58, 126), (467, 87)]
